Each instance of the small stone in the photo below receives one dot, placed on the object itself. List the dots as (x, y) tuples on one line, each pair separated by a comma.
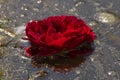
[(111, 73), (3, 21), (56, 5), (41, 73), (25, 58), (98, 42), (22, 15), (36, 9), (92, 58), (77, 72), (38, 75), (72, 10), (24, 7), (107, 17), (93, 23), (79, 3), (39, 1), (117, 62)]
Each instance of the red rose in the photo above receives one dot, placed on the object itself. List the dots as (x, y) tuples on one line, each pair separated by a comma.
[(57, 33)]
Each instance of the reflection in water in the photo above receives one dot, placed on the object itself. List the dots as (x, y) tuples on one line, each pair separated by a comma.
[(58, 63), (61, 63), (65, 62)]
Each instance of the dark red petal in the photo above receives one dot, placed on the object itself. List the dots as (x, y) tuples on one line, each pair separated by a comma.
[(31, 51)]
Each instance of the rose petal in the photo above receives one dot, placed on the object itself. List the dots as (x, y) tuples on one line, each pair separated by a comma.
[(56, 33)]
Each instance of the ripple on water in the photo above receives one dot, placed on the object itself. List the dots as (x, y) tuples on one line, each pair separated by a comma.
[(107, 17)]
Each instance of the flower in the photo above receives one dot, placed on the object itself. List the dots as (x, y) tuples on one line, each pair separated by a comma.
[(57, 34)]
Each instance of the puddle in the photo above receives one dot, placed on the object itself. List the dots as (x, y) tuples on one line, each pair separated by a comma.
[(61, 63), (58, 63)]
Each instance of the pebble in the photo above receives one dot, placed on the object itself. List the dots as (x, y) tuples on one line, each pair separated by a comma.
[(24, 7), (38, 75), (79, 3), (111, 73), (24, 57), (77, 71), (72, 10), (39, 1), (107, 17), (118, 62), (22, 15), (93, 23), (36, 9)]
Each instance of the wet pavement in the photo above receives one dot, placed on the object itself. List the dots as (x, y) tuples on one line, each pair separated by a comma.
[(102, 15)]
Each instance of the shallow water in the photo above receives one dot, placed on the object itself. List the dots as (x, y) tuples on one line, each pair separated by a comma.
[(101, 15)]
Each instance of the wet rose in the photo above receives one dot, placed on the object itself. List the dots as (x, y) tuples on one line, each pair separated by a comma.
[(58, 34)]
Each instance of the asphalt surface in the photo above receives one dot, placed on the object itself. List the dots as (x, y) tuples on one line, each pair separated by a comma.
[(102, 15)]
